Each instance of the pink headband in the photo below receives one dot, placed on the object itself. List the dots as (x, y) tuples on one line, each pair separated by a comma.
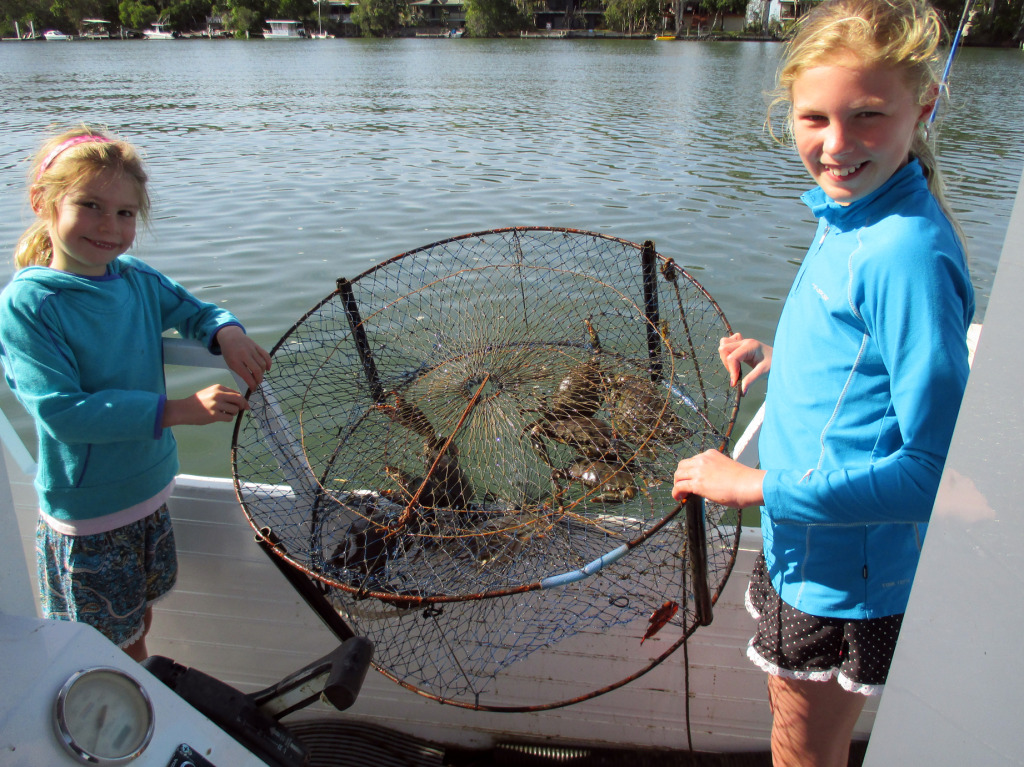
[(86, 139)]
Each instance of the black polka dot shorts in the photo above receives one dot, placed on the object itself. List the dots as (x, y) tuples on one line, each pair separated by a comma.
[(793, 644)]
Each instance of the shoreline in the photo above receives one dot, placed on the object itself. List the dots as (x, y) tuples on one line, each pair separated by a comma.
[(539, 34)]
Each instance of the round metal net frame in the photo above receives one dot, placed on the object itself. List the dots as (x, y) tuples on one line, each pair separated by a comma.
[(469, 449)]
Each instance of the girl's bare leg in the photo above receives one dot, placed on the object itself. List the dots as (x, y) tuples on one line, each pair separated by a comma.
[(813, 722), (137, 650)]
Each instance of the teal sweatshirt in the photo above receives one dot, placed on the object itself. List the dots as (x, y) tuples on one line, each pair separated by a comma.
[(84, 355)]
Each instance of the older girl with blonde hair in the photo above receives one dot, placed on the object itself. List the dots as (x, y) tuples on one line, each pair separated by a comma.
[(867, 370)]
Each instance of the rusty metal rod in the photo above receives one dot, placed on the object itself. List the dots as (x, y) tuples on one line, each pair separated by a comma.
[(697, 556), (355, 322), (649, 266)]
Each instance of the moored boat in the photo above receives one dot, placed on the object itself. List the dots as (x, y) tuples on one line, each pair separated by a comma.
[(159, 31), (54, 35), (95, 29), (284, 30)]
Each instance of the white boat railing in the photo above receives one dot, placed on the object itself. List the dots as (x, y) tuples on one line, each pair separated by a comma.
[(10, 440)]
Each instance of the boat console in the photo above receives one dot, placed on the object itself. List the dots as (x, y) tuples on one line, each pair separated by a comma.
[(72, 697)]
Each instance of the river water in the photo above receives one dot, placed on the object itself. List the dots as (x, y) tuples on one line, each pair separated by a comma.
[(277, 168)]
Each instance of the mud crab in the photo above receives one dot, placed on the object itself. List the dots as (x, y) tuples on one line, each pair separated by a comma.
[(615, 483), (590, 436), (446, 487), (639, 413), (581, 392)]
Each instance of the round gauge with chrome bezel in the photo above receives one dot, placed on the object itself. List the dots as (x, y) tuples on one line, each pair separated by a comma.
[(102, 715)]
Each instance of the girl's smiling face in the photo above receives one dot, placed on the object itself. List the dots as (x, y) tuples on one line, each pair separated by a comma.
[(94, 223), (853, 125)]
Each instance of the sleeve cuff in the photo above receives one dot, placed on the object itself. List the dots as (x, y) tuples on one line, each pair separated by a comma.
[(214, 347)]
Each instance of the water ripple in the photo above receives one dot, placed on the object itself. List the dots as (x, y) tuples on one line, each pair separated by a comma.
[(277, 168)]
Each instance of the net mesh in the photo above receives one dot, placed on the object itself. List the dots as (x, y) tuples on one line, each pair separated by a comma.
[(470, 448)]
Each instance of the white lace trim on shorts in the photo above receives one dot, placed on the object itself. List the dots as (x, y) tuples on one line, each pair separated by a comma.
[(770, 668), (751, 610), (870, 690)]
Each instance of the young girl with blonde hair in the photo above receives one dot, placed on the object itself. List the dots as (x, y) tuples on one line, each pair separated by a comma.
[(868, 368), (80, 343)]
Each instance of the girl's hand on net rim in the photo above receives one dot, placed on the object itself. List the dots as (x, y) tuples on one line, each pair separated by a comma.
[(736, 349), (247, 359), (210, 405), (718, 478)]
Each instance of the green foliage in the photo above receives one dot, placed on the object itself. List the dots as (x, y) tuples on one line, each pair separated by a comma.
[(633, 16), (135, 14), (725, 6), (494, 18), (382, 18), (300, 10), (243, 17), (997, 22), (243, 20), (66, 15), (718, 8), (186, 15)]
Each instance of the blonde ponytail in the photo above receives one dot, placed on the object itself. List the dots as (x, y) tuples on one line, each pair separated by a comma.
[(34, 247), (923, 150)]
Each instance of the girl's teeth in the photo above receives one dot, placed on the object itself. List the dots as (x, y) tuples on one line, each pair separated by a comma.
[(841, 172)]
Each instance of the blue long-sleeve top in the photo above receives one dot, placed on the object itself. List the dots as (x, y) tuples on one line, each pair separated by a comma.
[(84, 355), (868, 370)]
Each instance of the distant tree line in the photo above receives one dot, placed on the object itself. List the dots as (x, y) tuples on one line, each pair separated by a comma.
[(995, 22)]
